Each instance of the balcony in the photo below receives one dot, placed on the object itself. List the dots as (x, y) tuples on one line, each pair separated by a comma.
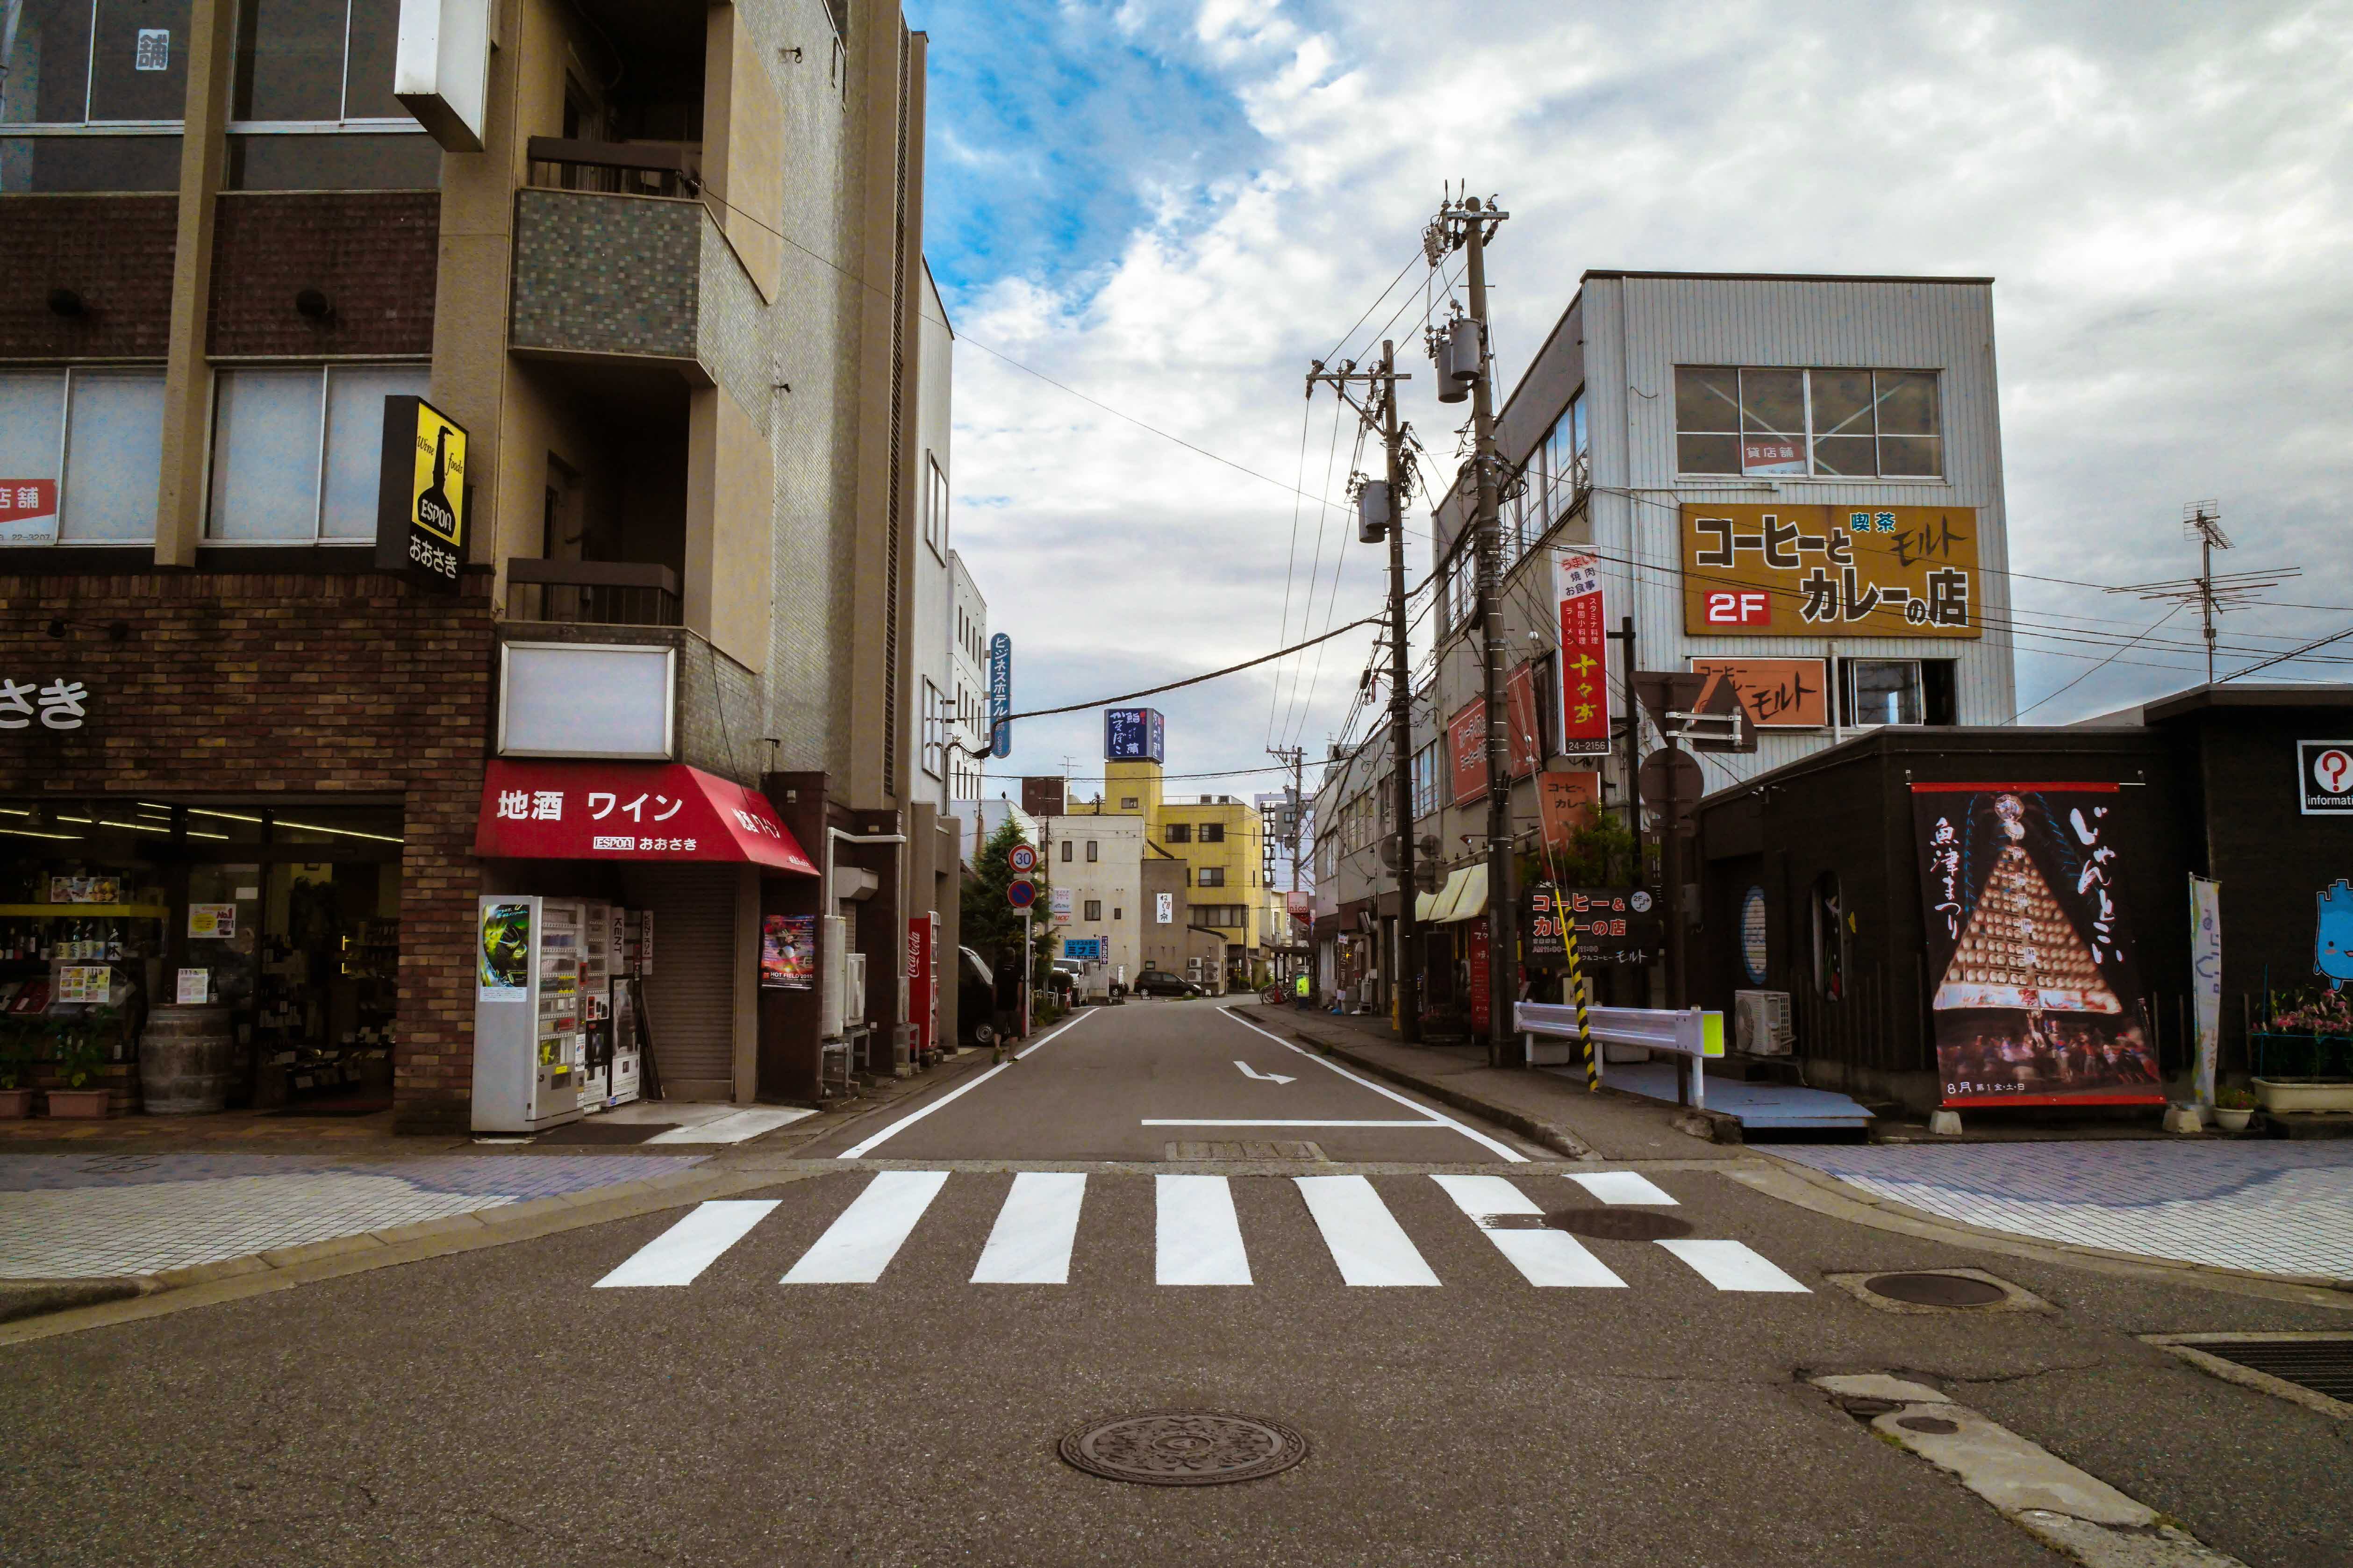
[(592, 593)]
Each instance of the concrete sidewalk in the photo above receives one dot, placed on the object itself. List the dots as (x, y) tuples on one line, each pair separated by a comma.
[(1558, 1112)]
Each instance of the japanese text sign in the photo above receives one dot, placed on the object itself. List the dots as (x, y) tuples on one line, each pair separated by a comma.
[(1466, 750), (1797, 570), (1584, 657), (1000, 696), (1135, 735), (570, 810), (58, 703), (1779, 694), (421, 495), (1520, 703), (1565, 802), (28, 511)]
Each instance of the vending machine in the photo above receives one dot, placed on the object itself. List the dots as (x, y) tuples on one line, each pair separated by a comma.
[(596, 970), (526, 1013), (622, 1082)]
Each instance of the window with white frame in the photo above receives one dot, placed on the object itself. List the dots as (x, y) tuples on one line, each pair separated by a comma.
[(1211, 876), (298, 451), (82, 452), (1822, 422), (1093, 910), (935, 730), (92, 94), (1425, 779), (935, 506), (1213, 833), (311, 105)]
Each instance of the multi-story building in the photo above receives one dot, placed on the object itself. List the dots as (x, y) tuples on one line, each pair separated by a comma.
[(968, 677), (1095, 863), (681, 468)]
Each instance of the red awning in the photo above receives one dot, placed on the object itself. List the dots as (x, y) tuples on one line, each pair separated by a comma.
[(658, 811)]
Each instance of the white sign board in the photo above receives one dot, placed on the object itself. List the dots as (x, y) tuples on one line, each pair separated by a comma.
[(587, 699), (2206, 977), (441, 68), (2327, 777), (1164, 908)]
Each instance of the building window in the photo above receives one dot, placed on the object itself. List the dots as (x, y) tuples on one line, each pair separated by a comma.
[(1127, 804), (76, 65), (297, 453), (1215, 915), (1896, 690), (1117, 915), (313, 106), (1212, 876), (1090, 851), (1093, 910), (1213, 832), (935, 730), (80, 454), (1178, 832), (935, 506), (1426, 776), (1066, 852), (1829, 423)]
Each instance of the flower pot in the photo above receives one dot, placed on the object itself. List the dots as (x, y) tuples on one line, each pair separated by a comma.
[(86, 1104), (2305, 1093), (2232, 1118), (15, 1103)]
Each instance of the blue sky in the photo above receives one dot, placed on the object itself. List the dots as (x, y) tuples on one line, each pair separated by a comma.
[(1171, 208)]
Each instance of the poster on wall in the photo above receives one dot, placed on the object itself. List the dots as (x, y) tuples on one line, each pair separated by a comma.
[(85, 890), (212, 920), (787, 951), (2035, 981), (503, 956)]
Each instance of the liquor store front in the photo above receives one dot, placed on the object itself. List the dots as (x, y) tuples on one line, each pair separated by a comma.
[(263, 935)]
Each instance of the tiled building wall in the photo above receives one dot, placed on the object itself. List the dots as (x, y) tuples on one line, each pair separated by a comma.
[(602, 274), (317, 683), (371, 253), (115, 252)]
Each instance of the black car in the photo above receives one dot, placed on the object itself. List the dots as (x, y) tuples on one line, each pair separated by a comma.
[(1160, 982)]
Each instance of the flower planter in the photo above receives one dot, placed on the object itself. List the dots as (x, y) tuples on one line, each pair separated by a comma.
[(2305, 1093), (86, 1104), (16, 1105), (2232, 1118)]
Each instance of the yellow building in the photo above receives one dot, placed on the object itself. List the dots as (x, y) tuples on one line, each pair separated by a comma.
[(1222, 841)]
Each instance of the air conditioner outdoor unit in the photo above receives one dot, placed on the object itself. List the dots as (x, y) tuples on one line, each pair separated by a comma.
[(833, 947), (1761, 1022)]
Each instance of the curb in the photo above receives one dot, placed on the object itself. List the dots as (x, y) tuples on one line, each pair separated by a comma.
[(1559, 1139)]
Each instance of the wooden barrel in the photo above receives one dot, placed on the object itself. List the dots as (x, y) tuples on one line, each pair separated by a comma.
[(185, 1058)]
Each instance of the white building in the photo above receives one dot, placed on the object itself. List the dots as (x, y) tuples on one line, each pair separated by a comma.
[(930, 676), (968, 694), (1099, 863)]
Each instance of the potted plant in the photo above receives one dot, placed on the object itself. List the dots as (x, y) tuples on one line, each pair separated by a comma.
[(2233, 1107), (15, 1067), (79, 1058)]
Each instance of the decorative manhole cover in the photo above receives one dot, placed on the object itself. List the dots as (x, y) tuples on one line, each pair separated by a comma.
[(1937, 1289), (1183, 1448), (1934, 1425), (1619, 1224)]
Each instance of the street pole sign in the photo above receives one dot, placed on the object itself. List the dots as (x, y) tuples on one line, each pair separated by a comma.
[(1023, 859), (1021, 895), (1000, 696)]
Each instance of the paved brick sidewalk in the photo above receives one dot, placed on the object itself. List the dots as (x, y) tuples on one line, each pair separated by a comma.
[(2270, 1207), (80, 1216)]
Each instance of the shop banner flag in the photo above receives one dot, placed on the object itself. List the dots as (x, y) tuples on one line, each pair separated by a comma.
[(1583, 656), (2036, 989), (2206, 977)]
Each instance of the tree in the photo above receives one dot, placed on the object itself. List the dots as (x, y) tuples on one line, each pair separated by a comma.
[(992, 927)]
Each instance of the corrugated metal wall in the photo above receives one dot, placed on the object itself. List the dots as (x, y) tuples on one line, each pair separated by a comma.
[(690, 997)]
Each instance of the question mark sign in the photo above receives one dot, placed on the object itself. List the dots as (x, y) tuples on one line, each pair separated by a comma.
[(2331, 767)]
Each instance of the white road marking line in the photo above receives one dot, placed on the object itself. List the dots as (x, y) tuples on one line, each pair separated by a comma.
[(1512, 1155), (680, 1253), (858, 1151), (1199, 1240), (741, 1127), (1544, 1258), (1623, 1187), (1250, 1072), (1047, 1039), (1367, 1243), (1030, 1243), (1732, 1266), (857, 1246), (1169, 1121)]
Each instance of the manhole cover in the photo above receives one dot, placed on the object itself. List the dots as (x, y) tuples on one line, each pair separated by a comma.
[(1183, 1448), (1934, 1426), (1619, 1224), (1936, 1290)]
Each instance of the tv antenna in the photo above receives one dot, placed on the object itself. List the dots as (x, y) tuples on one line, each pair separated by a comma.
[(2202, 521)]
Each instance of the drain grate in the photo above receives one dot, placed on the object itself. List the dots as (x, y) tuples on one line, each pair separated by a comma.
[(2323, 1366), (1183, 1448), (1280, 1149)]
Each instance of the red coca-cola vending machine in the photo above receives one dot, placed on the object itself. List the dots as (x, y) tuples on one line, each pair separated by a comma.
[(923, 984)]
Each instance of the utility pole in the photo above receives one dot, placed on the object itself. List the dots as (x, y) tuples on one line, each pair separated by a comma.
[(1295, 759), (1387, 514), (1465, 225)]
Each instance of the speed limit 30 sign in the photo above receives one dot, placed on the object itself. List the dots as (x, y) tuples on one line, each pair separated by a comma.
[(1022, 858), (2324, 776)]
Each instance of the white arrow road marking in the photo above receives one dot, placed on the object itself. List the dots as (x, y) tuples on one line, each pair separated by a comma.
[(1249, 1072)]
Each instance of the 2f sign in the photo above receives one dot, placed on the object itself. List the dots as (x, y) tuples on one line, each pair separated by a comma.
[(2325, 767), (1744, 607)]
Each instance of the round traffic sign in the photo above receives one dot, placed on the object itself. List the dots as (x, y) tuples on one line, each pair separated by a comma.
[(1021, 895), (1671, 781), (1022, 858)]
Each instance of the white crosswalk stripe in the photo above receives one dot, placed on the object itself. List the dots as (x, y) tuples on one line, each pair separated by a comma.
[(1031, 1242), (1198, 1234), (1366, 1243), (856, 1247), (1198, 1240), (1544, 1258)]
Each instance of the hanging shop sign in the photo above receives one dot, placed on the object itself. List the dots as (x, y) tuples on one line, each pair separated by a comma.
[(1545, 942), (1084, 948), (2325, 768), (1565, 803), (421, 520), (1481, 982), (1779, 694), (1466, 749), (1164, 908), (1135, 735), (1799, 570), (1584, 657), (2037, 995), (787, 951), (1615, 926), (1000, 696), (1527, 737), (628, 811)]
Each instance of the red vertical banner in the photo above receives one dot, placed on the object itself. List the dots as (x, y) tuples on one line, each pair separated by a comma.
[(1466, 749), (1520, 703), (1584, 657), (1482, 992), (923, 980)]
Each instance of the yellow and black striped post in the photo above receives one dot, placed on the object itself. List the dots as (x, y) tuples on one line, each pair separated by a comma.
[(1584, 1028)]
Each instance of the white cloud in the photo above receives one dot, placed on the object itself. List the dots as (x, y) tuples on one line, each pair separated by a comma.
[(2159, 191)]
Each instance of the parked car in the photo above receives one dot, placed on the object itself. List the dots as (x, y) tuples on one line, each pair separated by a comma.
[(1160, 982)]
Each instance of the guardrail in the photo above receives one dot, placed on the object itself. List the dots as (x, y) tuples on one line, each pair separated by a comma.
[(1688, 1032), (599, 593), (616, 169)]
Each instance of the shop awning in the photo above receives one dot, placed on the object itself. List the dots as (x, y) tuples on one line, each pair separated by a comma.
[(1464, 897), (641, 811)]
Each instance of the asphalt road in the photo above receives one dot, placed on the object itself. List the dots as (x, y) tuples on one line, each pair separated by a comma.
[(499, 1406)]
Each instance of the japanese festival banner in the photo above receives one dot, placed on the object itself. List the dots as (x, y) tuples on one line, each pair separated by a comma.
[(1584, 657), (1802, 571), (2035, 981), (1466, 749), (1779, 694)]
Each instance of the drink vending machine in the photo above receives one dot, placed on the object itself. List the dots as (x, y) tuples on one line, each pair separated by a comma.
[(610, 1042), (527, 1045)]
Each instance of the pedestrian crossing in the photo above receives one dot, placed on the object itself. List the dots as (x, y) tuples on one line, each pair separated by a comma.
[(1197, 1234)]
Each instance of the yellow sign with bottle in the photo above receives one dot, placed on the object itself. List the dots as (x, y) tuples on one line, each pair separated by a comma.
[(421, 502)]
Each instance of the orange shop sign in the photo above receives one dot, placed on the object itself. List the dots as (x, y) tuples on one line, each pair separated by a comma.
[(1830, 571), (1779, 694), (1466, 749)]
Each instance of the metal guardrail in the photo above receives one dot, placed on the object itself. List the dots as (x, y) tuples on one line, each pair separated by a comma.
[(616, 169), (1687, 1032), (595, 593)]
